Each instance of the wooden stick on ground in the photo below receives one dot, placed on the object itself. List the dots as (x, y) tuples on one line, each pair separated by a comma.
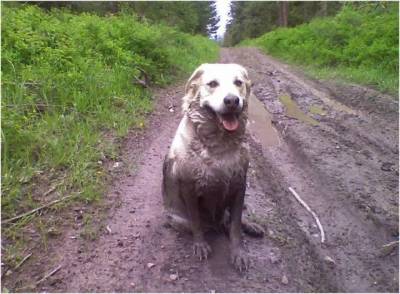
[(321, 229), (23, 260), (49, 274), (35, 210), (31, 287), (52, 189), (389, 248)]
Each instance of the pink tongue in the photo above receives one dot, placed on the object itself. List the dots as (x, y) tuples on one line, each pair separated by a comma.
[(231, 124)]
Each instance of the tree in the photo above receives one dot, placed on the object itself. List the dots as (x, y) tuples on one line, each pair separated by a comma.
[(213, 20), (194, 17), (250, 19), (283, 13), (324, 8)]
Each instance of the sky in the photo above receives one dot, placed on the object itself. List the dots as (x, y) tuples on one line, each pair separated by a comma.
[(223, 11)]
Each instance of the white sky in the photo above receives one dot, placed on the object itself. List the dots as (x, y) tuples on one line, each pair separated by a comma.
[(222, 10)]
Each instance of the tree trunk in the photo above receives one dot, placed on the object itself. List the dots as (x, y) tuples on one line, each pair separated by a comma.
[(283, 13), (324, 8)]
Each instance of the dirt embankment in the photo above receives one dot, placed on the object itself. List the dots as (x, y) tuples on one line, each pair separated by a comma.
[(335, 145)]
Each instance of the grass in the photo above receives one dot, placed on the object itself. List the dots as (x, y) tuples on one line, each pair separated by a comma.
[(68, 90), (374, 77), (357, 45)]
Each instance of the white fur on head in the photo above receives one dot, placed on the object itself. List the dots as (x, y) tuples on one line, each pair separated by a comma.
[(226, 76)]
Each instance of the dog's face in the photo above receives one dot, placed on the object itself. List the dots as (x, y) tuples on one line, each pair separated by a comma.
[(222, 88)]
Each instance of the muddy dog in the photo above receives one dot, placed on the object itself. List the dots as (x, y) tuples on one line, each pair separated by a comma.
[(204, 172)]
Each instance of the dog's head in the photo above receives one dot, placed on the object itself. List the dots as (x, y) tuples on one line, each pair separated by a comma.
[(221, 88)]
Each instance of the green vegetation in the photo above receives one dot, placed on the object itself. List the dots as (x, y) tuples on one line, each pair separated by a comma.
[(251, 19), (359, 44), (193, 17), (69, 88)]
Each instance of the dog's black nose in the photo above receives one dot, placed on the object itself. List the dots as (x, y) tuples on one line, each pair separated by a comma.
[(231, 101)]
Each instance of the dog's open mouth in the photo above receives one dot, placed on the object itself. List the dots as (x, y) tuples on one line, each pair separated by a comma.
[(229, 121)]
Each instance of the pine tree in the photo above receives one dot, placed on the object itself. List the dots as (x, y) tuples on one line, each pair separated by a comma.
[(251, 19), (213, 20)]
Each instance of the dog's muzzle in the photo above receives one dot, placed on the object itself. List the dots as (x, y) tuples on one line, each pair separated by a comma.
[(229, 117), (231, 102)]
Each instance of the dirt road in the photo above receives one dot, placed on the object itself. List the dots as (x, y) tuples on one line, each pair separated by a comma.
[(335, 145)]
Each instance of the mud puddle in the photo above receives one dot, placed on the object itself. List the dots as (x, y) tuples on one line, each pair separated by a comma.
[(260, 124), (313, 88), (317, 110), (293, 110)]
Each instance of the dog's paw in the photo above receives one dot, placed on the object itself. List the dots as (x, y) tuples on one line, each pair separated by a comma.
[(201, 250), (240, 261), (253, 229)]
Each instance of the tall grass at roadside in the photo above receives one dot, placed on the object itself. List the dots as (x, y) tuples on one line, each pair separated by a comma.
[(67, 81), (358, 45)]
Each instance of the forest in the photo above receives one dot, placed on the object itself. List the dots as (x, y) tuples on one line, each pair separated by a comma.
[(251, 19)]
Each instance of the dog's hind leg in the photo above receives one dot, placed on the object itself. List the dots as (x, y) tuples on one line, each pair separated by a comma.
[(173, 204), (178, 223), (250, 228)]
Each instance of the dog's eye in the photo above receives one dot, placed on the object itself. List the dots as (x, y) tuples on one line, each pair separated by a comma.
[(238, 83), (213, 84)]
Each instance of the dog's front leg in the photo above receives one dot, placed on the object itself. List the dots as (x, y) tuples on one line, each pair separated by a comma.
[(200, 247), (238, 257)]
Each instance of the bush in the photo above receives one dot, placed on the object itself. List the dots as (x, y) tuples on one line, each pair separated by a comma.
[(358, 44), (69, 79)]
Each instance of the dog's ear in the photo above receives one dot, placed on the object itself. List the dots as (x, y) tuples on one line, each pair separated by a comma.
[(248, 83), (192, 87), (191, 83)]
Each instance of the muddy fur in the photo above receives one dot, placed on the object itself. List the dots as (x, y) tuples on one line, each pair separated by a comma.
[(215, 166), (204, 175)]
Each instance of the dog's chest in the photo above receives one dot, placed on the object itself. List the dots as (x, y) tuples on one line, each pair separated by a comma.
[(217, 175), (217, 182)]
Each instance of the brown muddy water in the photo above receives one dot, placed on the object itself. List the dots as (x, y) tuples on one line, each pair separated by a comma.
[(260, 123), (293, 110)]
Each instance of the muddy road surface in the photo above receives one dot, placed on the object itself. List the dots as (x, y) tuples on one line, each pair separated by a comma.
[(335, 145)]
